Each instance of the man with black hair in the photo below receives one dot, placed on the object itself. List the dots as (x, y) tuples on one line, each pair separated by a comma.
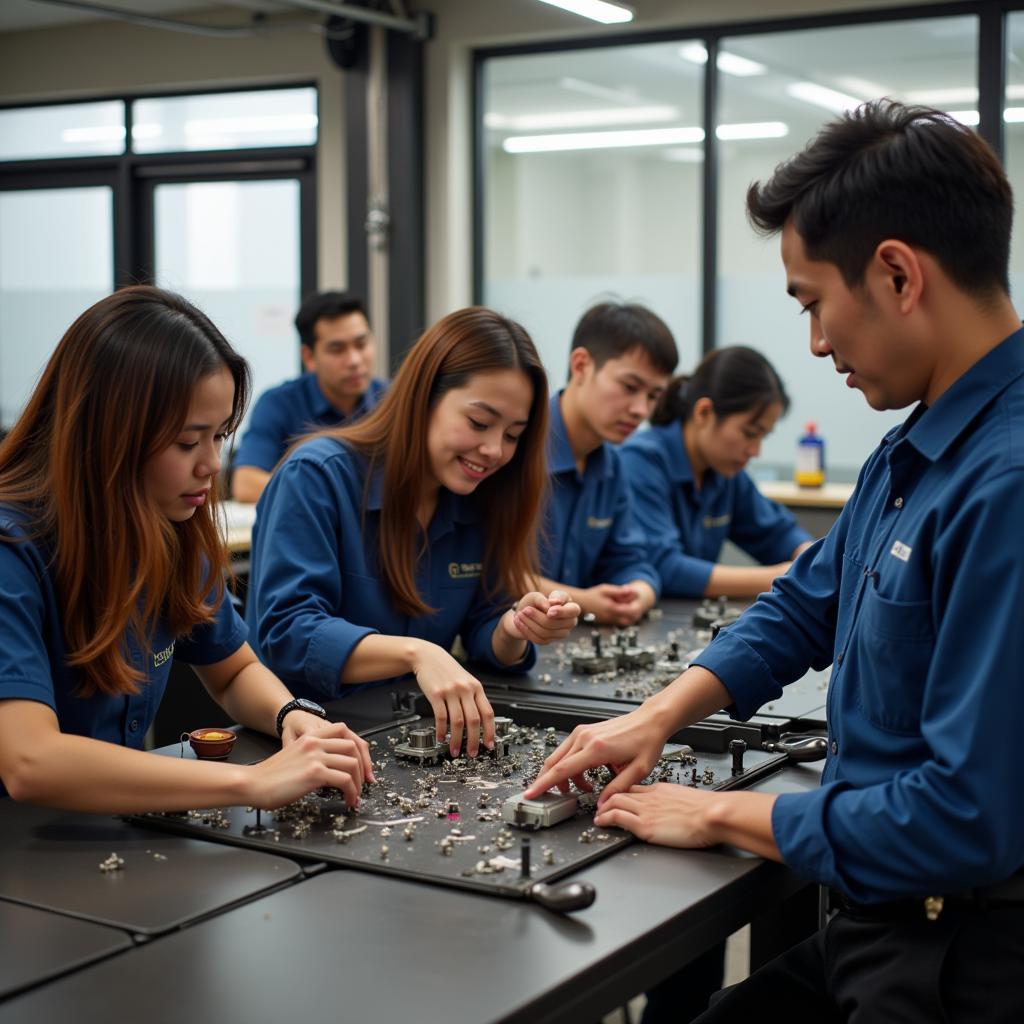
[(895, 225), (593, 546), (338, 386)]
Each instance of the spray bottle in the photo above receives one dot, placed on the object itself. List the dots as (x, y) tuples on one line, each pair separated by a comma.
[(810, 458)]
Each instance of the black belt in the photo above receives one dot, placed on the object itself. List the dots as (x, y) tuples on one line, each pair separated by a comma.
[(1006, 893)]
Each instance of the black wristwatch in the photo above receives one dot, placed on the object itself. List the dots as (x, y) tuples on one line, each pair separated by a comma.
[(299, 704)]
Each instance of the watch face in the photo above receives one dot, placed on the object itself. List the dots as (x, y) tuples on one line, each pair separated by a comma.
[(309, 705)]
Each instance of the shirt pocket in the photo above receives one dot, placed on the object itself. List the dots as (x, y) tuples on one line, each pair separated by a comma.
[(895, 641)]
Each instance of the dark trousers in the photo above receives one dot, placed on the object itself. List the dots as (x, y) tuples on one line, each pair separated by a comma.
[(684, 995), (965, 968)]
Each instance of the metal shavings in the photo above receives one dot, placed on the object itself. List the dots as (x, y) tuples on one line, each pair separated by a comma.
[(112, 863), (393, 821)]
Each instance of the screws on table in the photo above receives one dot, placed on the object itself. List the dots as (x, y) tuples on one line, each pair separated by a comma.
[(737, 748), (258, 829)]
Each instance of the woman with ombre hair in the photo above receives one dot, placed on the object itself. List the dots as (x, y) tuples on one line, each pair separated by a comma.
[(377, 544), (111, 563)]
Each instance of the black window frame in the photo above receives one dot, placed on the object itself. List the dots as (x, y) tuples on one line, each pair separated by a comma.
[(991, 79)]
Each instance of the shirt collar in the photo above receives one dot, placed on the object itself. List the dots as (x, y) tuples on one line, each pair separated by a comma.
[(560, 455), (933, 430), (318, 402), (451, 508)]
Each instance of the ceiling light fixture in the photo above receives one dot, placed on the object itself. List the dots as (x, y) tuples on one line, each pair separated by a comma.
[(820, 96), (753, 130), (597, 118), (602, 140), (596, 10), (729, 63)]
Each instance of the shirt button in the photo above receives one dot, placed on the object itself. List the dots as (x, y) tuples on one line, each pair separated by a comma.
[(133, 725), (839, 657), (835, 747), (898, 503)]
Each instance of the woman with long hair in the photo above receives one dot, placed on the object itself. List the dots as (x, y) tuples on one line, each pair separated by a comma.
[(688, 478), (377, 544), (111, 563)]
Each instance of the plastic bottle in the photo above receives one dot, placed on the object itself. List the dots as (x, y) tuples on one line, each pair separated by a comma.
[(810, 458)]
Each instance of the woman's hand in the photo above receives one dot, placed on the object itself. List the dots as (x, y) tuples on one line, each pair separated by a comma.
[(457, 699), (331, 755), (629, 745), (541, 620)]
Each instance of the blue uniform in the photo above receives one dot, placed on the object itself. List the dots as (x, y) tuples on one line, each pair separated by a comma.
[(33, 654), (316, 589), (916, 596), (290, 410), (687, 527), (591, 530)]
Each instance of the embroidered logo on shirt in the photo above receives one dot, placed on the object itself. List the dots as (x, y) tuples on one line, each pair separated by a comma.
[(164, 656), (463, 570), (594, 523), (901, 551), (710, 522)]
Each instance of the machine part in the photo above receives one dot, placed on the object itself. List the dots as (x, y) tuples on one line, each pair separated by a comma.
[(524, 857), (718, 610), (421, 745), (798, 747), (542, 812), (565, 898), (588, 663), (737, 748), (633, 658)]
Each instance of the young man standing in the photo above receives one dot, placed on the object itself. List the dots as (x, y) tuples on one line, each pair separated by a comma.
[(338, 353), (593, 546), (895, 227)]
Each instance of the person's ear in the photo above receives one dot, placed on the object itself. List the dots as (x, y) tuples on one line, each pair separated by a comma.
[(580, 363), (896, 269), (703, 412), (307, 358)]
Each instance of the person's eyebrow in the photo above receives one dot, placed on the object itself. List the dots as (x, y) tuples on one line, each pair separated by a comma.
[(494, 412), (203, 426)]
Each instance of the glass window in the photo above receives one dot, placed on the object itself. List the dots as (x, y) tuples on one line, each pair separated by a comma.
[(593, 178), (800, 81), (228, 120), (232, 248), (56, 259), (70, 129), (1013, 125)]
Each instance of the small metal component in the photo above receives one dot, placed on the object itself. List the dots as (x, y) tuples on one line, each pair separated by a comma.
[(547, 855), (737, 748), (384, 848), (502, 726), (421, 745), (632, 658), (111, 863), (524, 857), (590, 663), (595, 641), (453, 811), (541, 812), (933, 907)]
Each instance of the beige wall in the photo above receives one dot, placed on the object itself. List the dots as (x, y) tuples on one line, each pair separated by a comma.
[(104, 57)]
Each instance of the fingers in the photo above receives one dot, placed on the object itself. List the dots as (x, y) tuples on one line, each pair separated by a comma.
[(342, 731), (619, 817), (486, 717), (568, 767), (345, 774), (542, 627), (456, 722), (631, 775), (440, 709)]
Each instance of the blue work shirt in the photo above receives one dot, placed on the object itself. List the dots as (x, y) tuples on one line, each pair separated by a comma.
[(686, 526), (916, 596), (316, 588), (33, 652), (591, 530), (285, 413)]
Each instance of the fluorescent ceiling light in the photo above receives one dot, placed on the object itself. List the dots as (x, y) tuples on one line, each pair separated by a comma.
[(1013, 115), (580, 118), (942, 97), (147, 131), (730, 63), (239, 125), (596, 10), (96, 133), (968, 117), (602, 140), (830, 99), (640, 137), (602, 92), (754, 130), (862, 87)]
